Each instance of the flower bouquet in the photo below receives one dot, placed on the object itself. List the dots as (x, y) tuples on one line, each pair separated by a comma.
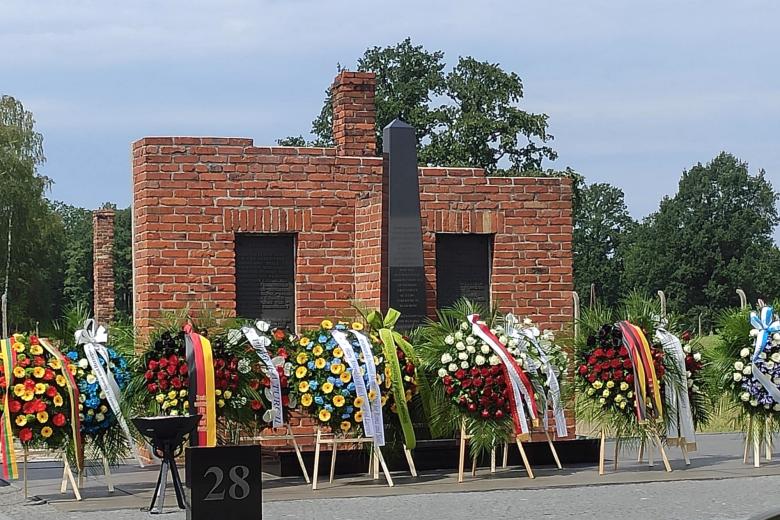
[(160, 384), (480, 387), (746, 362), (269, 373), (331, 379), (101, 375), (39, 399), (232, 382), (609, 383), (182, 372), (627, 379)]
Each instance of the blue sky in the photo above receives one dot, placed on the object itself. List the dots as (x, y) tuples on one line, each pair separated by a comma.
[(636, 92)]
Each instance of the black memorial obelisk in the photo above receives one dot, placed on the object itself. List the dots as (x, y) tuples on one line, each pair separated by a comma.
[(402, 227)]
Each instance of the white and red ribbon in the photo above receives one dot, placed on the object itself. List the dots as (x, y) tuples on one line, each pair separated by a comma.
[(551, 397), (522, 389)]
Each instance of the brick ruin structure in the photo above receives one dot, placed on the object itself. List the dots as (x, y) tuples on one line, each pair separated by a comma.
[(103, 264), (296, 233)]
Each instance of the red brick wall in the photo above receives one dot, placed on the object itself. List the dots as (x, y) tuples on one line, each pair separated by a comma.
[(531, 220), (354, 113), (103, 260), (368, 250), (191, 195)]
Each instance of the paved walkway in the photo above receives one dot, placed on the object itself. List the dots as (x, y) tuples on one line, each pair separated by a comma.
[(716, 485)]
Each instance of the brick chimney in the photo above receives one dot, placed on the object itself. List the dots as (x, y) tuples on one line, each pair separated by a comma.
[(354, 113), (103, 260)]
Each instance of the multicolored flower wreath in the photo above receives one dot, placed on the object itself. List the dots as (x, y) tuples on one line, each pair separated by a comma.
[(94, 411), (746, 362), (409, 377), (164, 372), (474, 378), (607, 383), (38, 399), (322, 381)]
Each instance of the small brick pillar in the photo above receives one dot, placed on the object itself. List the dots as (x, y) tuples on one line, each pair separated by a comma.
[(103, 260), (354, 114)]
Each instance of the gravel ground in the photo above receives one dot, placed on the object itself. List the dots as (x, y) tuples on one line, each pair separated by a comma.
[(732, 499)]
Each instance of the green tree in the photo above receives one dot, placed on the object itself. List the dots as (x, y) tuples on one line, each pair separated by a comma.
[(482, 126), (123, 263), (713, 236), (36, 233), (602, 226), (465, 117), (77, 282)]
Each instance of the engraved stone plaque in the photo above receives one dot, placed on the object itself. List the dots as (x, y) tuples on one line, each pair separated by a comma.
[(265, 278), (463, 268)]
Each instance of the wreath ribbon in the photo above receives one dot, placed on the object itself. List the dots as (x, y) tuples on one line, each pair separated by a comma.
[(73, 394), (646, 384), (357, 378), (680, 427), (390, 340), (94, 337), (553, 395), (766, 324), (202, 393), (516, 378), (259, 344), (376, 404), (8, 466)]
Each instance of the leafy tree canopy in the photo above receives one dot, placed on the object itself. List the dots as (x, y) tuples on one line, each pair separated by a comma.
[(468, 116)]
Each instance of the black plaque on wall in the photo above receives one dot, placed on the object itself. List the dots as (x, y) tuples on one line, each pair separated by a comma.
[(403, 255), (463, 268), (265, 278)]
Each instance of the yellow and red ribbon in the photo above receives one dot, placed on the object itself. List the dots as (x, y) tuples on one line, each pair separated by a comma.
[(8, 466), (202, 393)]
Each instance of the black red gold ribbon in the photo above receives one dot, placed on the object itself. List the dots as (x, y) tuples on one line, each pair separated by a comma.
[(646, 384), (202, 394)]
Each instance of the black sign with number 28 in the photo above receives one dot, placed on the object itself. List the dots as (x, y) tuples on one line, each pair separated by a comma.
[(226, 483)]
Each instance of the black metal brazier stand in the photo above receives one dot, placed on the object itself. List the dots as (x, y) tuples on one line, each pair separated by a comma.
[(167, 437)]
